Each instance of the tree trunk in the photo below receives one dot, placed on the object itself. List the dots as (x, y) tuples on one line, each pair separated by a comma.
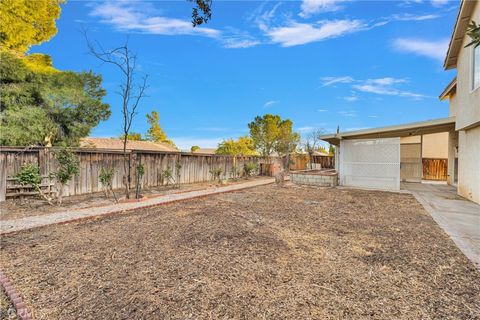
[(126, 168)]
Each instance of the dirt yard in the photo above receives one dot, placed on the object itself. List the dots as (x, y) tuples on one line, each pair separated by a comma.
[(7, 310), (35, 206), (263, 253)]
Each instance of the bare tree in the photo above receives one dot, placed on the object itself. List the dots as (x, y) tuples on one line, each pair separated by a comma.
[(132, 90), (311, 143)]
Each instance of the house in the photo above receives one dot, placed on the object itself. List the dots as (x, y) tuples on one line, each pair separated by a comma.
[(463, 94), (117, 144), (383, 157), (211, 151)]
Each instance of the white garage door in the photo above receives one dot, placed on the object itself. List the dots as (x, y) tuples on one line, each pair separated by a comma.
[(370, 163)]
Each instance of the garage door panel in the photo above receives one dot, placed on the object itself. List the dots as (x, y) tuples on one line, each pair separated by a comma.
[(370, 163)]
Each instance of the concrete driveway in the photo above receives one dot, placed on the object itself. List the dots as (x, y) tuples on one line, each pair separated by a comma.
[(459, 217)]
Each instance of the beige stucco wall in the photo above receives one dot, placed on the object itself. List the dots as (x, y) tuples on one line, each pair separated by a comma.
[(467, 102), (411, 139), (435, 145), (469, 164)]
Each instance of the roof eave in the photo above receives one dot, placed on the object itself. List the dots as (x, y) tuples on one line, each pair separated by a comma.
[(463, 18), (413, 128), (449, 89)]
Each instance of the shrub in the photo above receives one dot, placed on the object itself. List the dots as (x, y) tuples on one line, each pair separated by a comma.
[(167, 175), (249, 169), (140, 170), (178, 167), (234, 172), (67, 169), (29, 174), (216, 173), (106, 179)]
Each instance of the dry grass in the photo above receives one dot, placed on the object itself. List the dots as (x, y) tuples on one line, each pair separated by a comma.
[(264, 253)]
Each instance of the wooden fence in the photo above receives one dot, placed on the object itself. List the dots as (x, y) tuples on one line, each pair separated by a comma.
[(194, 167), (300, 161), (434, 169)]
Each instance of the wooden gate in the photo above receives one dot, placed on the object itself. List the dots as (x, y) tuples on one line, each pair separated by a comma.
[(435, 169)]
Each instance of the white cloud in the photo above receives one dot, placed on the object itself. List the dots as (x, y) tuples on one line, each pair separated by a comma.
[(138, 17), (380, 86), (373, 116), (351, 98), (432, 49), (236, 43), (347, 113), (322, 110), (301, 33), (385, 81), (439, 3), (270, 103), (328, 81), (385, 90), (311, 7)]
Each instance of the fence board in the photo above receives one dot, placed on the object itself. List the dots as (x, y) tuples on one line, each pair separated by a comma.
[(195, 168), (435, 169)]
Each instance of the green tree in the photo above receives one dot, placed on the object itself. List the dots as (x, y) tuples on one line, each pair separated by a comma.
[(38, 108), (133, 136), (155, 133), (331, 149), (242, 146), (265, 132), (26, 22), (194, 148), (287, 141)]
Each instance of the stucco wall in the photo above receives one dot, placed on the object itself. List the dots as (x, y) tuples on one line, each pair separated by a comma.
[(467, 102), (469, 164), (435, 145)]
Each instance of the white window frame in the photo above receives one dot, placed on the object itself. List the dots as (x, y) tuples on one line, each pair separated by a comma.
[(473, 87)]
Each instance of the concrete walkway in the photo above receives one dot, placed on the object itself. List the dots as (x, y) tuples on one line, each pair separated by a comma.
[(458, 217), (8, 226)]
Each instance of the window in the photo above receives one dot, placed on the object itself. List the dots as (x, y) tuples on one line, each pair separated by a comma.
[(476, 68)]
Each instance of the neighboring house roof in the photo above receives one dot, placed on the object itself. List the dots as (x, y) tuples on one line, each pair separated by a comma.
[(450, 89), (117, 144), (320, 153), (205, 150), (456, 41), (403, 130)]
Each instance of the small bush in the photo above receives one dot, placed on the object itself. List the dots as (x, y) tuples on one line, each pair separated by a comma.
[(140, 171), (29, 174), (167, 175), (106, 179), (216, 173), (69, 166), (249, 169)]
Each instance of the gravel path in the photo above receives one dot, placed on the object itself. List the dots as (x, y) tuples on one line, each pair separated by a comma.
[(7, 226)]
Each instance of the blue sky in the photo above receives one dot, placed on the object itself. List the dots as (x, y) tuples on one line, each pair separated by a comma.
[(356, 64)]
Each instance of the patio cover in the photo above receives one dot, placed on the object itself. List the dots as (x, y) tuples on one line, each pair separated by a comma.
[(404, 130)]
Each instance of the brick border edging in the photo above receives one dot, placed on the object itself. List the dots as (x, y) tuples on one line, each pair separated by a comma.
[(111, 213), (15, 298)]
